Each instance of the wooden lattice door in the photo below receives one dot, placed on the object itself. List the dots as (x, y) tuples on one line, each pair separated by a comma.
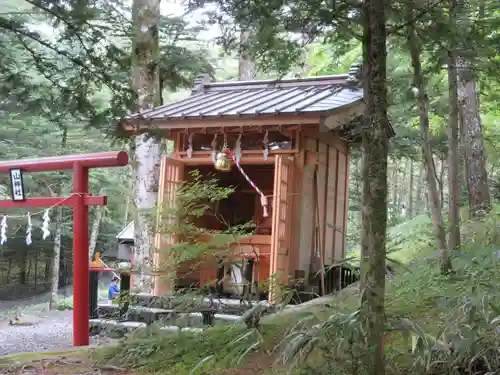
[(171, 177), (280, 237)]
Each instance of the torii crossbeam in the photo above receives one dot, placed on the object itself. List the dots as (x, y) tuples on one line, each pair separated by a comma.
[(80, 200)]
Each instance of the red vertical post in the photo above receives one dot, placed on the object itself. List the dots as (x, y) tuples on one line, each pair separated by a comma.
[(80, 257), (80, 165)]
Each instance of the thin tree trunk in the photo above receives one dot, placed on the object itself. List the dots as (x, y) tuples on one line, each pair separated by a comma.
[(55, 269), (418, 194), (28, 272), (146, 163), (94, 233), (56, 260), (395, 186), (375, 148), (130, 186), (9, 270), (36, 268), (453, 146), (441, 181), (409, 212), (22, 266), (48, 265), (414, 46)]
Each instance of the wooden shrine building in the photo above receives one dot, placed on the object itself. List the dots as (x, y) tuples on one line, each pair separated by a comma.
[(291, 139)]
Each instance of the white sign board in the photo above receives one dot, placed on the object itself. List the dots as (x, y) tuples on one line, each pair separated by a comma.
[(17, 185)]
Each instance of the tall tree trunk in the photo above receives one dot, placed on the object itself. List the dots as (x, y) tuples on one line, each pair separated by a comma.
[(375, 148), (358, 180), (418, 194), (130, 186), (409, 212), (468, 103), (23, 266), (415, 48), (94, 233), (395, 187), (246, 67), (477, 178), (453, 146), (146, 163), (56, 261), (441, 180)]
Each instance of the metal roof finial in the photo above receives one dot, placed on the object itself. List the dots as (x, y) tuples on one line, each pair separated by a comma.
[(200, 82), (355, 73)]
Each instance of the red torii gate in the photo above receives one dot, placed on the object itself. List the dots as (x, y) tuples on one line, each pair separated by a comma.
[(79, 200)]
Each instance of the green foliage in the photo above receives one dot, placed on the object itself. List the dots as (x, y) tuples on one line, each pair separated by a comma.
[(186, 353), (453, 319), (65, 304), (75, 59), (194, 199)]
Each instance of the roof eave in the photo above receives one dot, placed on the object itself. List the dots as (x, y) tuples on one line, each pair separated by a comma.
[(339, 117), (124, 231), (284, 119)]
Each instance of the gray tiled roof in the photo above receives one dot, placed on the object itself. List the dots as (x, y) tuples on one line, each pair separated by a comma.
[(261, 97)]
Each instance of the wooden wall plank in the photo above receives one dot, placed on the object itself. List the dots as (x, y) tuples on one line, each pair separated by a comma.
[(331, 205), (322, 183), (280, 250), (171, 177), (341, 208), (346, 201), (306, 212), (295, 199)]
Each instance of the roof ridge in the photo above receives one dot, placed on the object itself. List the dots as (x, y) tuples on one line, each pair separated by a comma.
[(287, 82)]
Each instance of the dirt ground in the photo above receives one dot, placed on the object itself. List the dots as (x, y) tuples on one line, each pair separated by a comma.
[(71, 363), (78, 363)]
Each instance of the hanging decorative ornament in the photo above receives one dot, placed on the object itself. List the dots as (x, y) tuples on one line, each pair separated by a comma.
[(223, 162), (237, 148), (189, 151), (265, 141), (263, 199), (28, 231), (214, 151), (45, 225), (3, 230)]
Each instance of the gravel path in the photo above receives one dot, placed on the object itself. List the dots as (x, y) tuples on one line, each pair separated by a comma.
[(51, 331)]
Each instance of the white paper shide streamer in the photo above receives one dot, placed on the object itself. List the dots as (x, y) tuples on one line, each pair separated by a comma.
[(237, 148), (28, 231), (3, 230), (266, 145), (45, 225), (189, 151), (214, 151)]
